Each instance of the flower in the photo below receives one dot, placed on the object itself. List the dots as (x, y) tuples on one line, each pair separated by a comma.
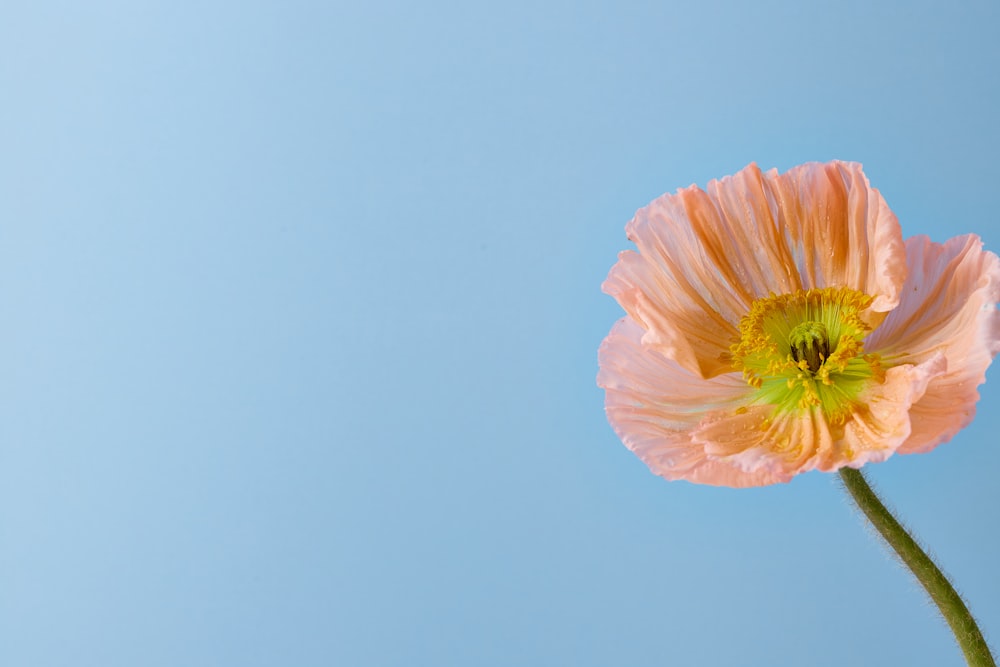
[(779, 323)]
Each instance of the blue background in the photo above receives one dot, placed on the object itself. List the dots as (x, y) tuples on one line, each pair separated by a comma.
[(301, 304)]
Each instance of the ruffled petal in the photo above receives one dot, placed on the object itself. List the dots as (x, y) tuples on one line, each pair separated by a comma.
[(841, 231), (948, 307), (705, 256), (883, 420), (757, 440), (654, 404), (788, 443)]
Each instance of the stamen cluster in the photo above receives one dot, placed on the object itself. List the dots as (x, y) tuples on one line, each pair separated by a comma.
[(805, 350)]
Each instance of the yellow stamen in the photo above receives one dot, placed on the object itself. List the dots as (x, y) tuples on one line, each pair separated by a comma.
[(805, 350)]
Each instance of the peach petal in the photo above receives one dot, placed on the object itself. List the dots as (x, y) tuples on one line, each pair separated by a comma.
[(783, 445), (675, 324), (704, 256), (787, 444), (653, 404), (883, 421), (948, 307), (842, 231)]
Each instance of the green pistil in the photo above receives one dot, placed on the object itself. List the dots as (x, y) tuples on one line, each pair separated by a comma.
[(810, 342)]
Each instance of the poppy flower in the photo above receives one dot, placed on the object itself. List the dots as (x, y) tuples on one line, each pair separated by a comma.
[(779, 323)]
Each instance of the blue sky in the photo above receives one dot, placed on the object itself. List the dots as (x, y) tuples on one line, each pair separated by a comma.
[(302, 304)]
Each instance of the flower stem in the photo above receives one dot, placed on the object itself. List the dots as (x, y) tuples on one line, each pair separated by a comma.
[(949, 602)]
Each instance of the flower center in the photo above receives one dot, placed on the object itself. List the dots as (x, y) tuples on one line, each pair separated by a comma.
[(805, 350), (811, 342)]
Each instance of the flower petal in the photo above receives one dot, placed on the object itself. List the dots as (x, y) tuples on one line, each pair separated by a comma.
[(841, 230), (704, 256), (884, 420), (653, 404), (948, 307), (787, 443), (757, 440)]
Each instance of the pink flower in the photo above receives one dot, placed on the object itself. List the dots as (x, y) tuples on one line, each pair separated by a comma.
[(779, 323)]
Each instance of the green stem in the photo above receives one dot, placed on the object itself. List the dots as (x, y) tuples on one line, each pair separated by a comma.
[(967, 633)]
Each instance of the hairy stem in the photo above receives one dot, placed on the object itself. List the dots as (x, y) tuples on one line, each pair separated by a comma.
[(963, 625)]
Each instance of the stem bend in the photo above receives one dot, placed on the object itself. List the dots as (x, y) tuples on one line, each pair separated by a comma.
[(949, 602)]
